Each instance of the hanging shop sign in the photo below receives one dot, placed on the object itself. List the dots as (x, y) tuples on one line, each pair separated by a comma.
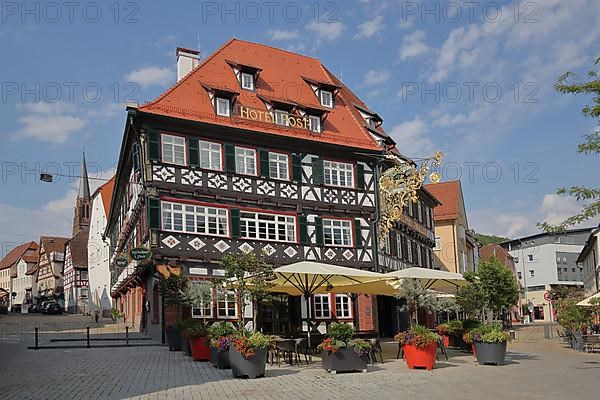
[(140, 253)]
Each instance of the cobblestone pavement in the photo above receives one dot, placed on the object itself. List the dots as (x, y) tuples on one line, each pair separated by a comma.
[(536, 369)]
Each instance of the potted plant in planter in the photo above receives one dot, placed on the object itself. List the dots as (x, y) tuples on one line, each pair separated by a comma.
[(444, 332), (341, 352), (182, 327), (248, 354), (455, 332), (197, 334), (174, 293), (420, 347), (220, 340), (490, 344)]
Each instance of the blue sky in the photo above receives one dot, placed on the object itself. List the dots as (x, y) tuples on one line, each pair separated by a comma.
[(473, 79)]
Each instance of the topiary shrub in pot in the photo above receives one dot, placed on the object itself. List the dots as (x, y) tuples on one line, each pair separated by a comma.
[(197, 334), (490, 344), (420, 347), (220, 337), (248, 354), (341, 352)]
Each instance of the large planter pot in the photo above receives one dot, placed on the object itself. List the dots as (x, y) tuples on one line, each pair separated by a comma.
[(577, 342), (185, 343), (490, 353), (420, 358), (219, 359), (344, 360), (173, 338), (200, 349), (446, 340), (251, 367), (454, 340)]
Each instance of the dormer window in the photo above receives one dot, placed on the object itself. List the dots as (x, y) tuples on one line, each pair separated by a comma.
[(223, 106), (326, 98), (370, 122), (315, 123), (247, 81)]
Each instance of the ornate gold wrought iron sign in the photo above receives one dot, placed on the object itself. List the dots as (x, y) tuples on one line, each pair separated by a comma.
[(398, 185)]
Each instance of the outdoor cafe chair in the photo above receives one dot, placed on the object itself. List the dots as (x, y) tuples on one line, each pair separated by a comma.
[(591, 342), (285, 348), (301, 347), (376, 349)]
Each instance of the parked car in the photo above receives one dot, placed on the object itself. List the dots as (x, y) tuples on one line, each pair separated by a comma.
[(54, 308), (44, 306), (34, 308), (16, 308)]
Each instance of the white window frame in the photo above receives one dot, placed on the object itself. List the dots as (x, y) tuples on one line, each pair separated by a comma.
[(275, 165), (172, 141), (399, 245), (438, 243), (409, 250), (346, 313), (261, 226), (339, 174), (337, 232), (532, 273), (205, 307), (529, 257), (314, 123), (320, 311), (219, 101), (244, 82), (245, 161), (325, 95), (281, 117), (227, 298), (209, 153), (189, 216)]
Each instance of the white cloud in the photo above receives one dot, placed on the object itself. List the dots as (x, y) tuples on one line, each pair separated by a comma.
[(369, 28), (374, 78), (152, 76), (557, 208), (280, 34), (326, 31), (411, 138), (49, 122), (413, 45)]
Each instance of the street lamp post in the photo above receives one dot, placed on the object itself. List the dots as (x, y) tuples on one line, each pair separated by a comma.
[(524, 277)]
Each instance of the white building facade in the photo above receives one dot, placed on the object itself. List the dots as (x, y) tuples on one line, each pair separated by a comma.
[(589, 258), (22, 285)]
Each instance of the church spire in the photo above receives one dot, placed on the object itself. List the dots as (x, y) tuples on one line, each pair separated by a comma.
[(84, 184)]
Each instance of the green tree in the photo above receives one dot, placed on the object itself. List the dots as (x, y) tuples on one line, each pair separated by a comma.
[(199, 295), (416, 297), (174, 291), (573, 317), (591, 145), (470, 297)]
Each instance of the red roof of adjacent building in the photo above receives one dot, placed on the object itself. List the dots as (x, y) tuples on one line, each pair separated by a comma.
[(284, 76), (53, 243), (449, 194), (106, 191), (13, 256)]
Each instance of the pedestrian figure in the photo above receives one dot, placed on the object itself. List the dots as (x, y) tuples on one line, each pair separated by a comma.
[(96, 316)]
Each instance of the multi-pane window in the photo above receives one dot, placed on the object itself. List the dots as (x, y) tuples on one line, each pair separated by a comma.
[(223, 107), (84, 293), (245, 161), (210, 155), (438, 243), (315, 123), (399, 246), (337, 232), (226, 304), (326, 98), (173, 149), (247, 81), (278, 166), (194, 219), (409, 250), (338, 173), (322, 309), (281, 118), (342, 306), (204, 310), (281, 228)]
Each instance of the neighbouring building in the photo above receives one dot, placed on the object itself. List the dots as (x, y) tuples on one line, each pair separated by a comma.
[(456, 247), (99, 251), (49, 282), (22, 282), (502, 255), (228, 161), (14, 262), (589, 259), (75, 271), (546, 260)]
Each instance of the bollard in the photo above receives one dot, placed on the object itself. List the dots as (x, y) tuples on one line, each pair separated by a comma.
[(546, 332), (37, 347), (88, 337), (127, 336)]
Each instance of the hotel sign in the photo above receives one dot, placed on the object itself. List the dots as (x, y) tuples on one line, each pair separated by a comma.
[(291, 121)]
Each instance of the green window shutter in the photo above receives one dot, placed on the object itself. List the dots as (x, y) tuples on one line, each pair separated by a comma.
[(296, 168), (357, 233), (153, 145), (317, 171), (153, 213), (393, 243), (319, 231), (193, 152), (229, 157), (404, 248), (302, 225), (263, 157), (360, 176), (136, 157), (235, 222)]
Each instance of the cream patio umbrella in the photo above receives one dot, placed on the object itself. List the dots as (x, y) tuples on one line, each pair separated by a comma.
[(586, 302)]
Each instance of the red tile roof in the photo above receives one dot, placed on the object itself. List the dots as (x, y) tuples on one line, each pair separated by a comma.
[(106, 191), (53, 243), (449, 194), (284, 76), (13, 256), (79, 249)]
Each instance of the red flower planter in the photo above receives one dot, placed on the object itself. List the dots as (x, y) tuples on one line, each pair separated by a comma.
[(446, 339), (200, 348), (420, 358)]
